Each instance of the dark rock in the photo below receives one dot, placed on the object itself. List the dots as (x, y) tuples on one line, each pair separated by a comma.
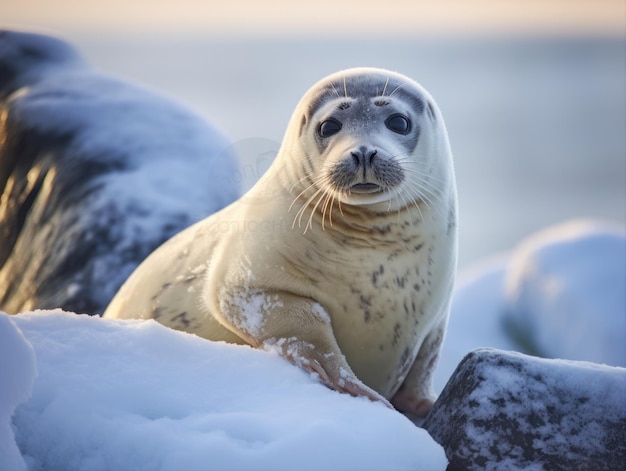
[(504, 410), (95, 173)]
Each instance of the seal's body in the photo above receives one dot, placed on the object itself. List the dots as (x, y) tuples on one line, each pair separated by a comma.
[(341, 258)]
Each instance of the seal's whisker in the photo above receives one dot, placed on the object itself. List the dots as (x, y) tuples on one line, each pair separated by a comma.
[(415, 202), (396, 89), (429, 177), (330, 213), (397, 196), (417, 194), (331, 195), (423, 195), (345, 88), (436, 196), (406, 159), (300, 180), (324, 197), (422, 172), (317, 182), (428, 194), (299, 195), (417, 206), (385, 89), (408, 201), (335, 90), (327, 200), (309, 223), (322, 183), (432, 184), (425, 185), (301, 211)]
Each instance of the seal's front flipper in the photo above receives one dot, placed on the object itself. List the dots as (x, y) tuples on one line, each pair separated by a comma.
[(299, 329), (327, 363)]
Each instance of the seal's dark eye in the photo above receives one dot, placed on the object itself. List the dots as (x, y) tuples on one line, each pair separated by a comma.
[(329, 127), (398, 123)]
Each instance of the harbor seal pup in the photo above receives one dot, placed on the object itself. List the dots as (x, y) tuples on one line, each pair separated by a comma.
[(341, 258)]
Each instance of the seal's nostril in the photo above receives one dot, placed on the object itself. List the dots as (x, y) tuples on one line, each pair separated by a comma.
[(356, 156), (372, 155), (363, 156)]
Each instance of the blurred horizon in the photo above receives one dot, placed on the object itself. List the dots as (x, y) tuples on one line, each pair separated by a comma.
[(321, 17)]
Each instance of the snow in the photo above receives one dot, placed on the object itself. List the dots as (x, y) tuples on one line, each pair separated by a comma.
[(506, 410), (253, 304), (123, 168), (136, 395), (88, 99), (566, 292), (560, 294), (584, 375), (320, 312), (17, 374), (474, 317)]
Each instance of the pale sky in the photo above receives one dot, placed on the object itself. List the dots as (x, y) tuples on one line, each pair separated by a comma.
[(314, 17)]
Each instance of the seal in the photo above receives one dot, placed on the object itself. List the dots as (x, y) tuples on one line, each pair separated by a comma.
[(341, 258)]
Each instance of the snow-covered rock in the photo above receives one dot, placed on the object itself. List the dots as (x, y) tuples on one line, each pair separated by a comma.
[(95, 173), (505, 410), (560, 294), (17, 375), (566, 293), (137, 395)]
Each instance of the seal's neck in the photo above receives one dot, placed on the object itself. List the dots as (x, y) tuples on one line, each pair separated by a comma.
[(359, 225)]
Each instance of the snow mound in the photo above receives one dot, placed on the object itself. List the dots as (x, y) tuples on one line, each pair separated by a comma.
[(565, 292), (136, 395), (96, 172), (560, 294), (17, 375)]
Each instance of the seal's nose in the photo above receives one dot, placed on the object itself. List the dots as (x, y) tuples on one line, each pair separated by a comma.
[(364, 156)]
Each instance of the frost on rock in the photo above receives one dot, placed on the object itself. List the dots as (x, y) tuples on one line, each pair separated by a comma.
[(17, 375), (505, 410), (95, 173), (565, 293)]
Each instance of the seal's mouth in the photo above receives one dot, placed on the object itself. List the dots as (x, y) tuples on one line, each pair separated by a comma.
[(365, 188)]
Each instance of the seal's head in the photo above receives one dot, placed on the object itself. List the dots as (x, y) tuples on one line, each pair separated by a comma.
[(369, 137)]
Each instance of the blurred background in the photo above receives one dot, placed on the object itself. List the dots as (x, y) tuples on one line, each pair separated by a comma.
[(533, 91)]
